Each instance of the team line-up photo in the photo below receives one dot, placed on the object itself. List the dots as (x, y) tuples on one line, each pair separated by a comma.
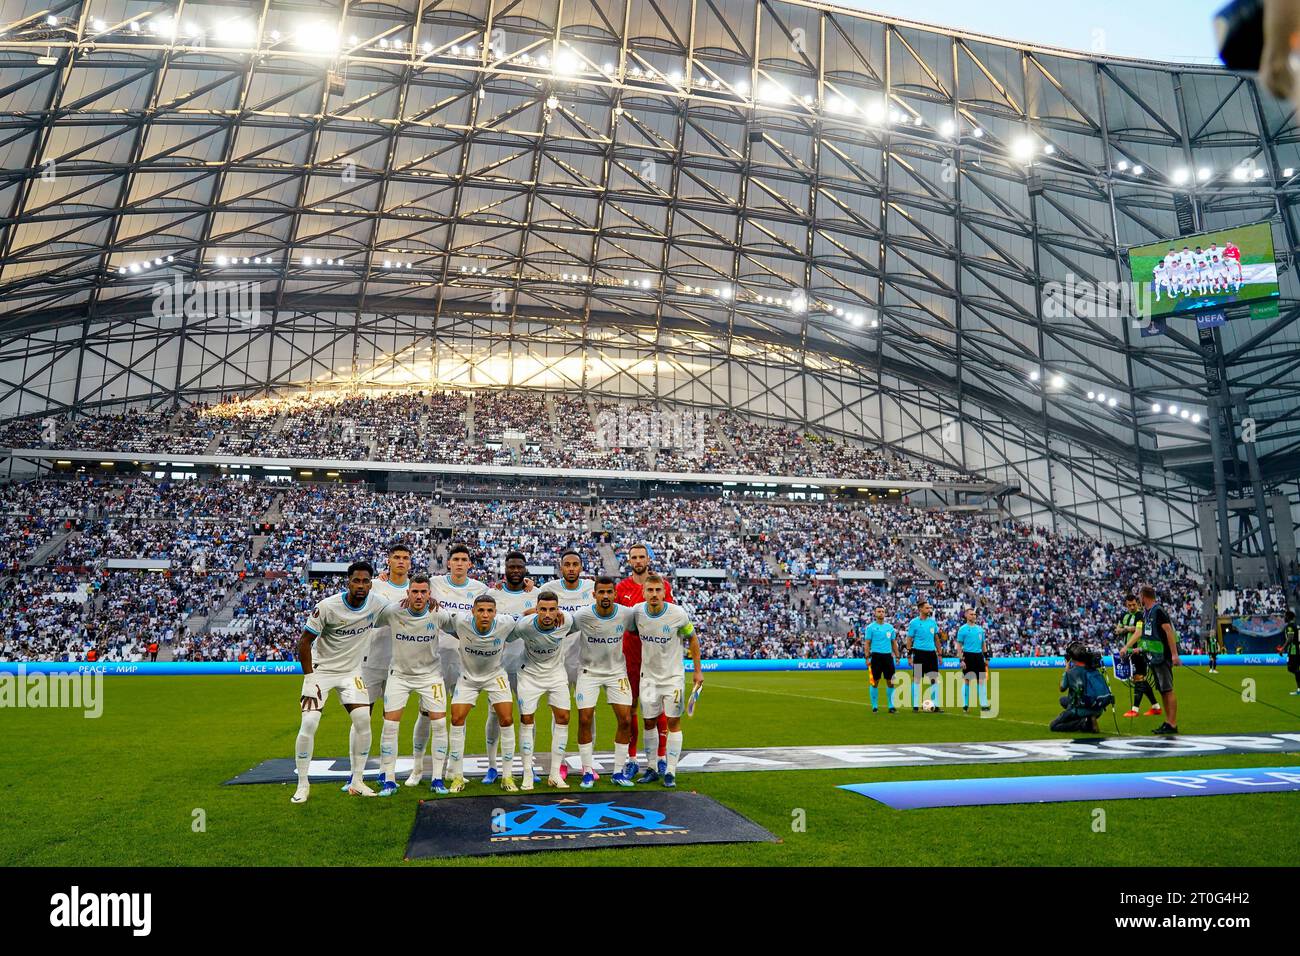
[(449, 638), (1198, 271)]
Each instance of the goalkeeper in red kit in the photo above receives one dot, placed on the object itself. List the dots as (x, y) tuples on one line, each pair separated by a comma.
[(628, 593)]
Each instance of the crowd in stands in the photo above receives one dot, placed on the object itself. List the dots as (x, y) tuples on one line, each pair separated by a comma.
[(563, 515), (1245, 602), (103, 617), (266, 621), (514, 427), (131, 431), (780, 594)]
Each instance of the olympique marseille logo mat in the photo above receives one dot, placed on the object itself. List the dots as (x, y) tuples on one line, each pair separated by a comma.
[(484, 826)]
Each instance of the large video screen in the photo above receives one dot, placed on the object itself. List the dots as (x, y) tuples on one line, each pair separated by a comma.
[(1205, 271)]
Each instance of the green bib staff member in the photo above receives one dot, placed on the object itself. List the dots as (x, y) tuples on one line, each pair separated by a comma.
[(1130, 628), (1160, 641), (1291, 647)]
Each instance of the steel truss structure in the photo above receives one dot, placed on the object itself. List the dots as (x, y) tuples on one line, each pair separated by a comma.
[(789, 210)]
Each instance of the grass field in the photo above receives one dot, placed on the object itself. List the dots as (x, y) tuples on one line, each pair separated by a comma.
[(121, 789)]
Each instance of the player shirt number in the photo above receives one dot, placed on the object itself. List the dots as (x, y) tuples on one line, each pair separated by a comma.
[(677, 695), (437, 691), (622, 684), (360, 683), (501, 682)]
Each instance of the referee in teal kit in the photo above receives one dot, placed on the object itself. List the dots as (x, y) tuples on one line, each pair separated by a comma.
[(922, 650), (880, 640), (974, 667)]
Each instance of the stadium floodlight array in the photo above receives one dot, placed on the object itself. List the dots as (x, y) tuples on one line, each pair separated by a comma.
[(1101, 398), (223, 261), (318, 261), (1025, 147), (135, 268), (317, 36), (239, 33), (569, 65), (608, 282), (1245, 171), (857, 318), (1174, 411)]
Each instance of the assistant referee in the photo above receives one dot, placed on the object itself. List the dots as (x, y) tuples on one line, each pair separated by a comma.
[(881, 641)]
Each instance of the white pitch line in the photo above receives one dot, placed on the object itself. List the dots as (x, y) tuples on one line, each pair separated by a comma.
[(781, 693), (864, 703)]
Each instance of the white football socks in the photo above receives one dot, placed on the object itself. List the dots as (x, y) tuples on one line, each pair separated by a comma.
[(527, 733), (620, 756), (508, 750), (388, 748), (674, 749), (585, 751), (456, 752), (651, 744), (360, 739), (440, 747), (559, 744), (492, 732), (306, 743), (420, 740)]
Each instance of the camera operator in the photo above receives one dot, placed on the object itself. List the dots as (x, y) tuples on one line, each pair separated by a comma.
[(1160, 642), (1086, 694)]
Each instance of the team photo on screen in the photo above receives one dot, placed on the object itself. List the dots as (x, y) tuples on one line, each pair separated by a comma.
[(1205, 271)]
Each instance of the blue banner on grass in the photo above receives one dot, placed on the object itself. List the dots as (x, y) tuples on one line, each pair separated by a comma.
[(1063, 788)]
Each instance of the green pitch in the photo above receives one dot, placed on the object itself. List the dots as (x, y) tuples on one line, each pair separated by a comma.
[(124, 789)]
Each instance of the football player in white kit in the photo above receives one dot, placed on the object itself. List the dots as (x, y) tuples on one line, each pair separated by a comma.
[(662, 628), (416, 669), (1202, 276), (1160, 279), (602, 664), (514, 597), (542, 634), (453, 591), (391, 586), (333, 643), (574, 593), (481, 636)]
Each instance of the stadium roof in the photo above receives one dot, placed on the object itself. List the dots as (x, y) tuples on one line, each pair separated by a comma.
[(743, 175)]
